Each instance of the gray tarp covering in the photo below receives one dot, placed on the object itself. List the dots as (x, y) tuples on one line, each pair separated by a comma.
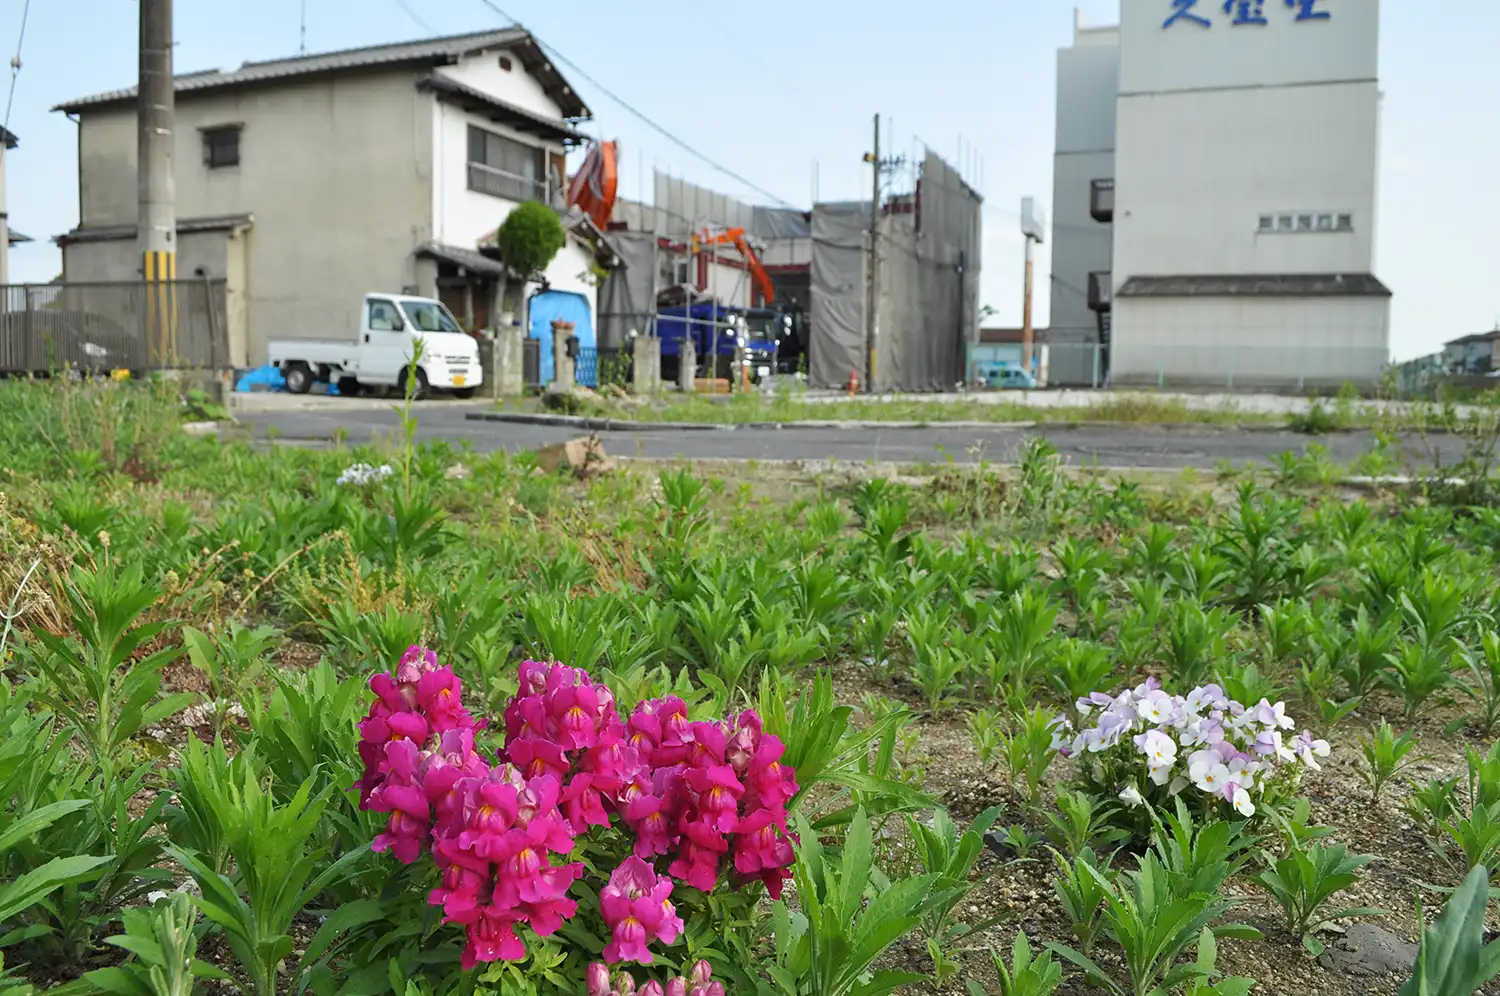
[(928, 298), (627, 295), (836, 344), (952, 228), (780, 223)]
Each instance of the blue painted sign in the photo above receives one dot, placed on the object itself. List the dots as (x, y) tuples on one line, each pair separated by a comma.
[(1182, 10), (1246, 11), (1243, 12)]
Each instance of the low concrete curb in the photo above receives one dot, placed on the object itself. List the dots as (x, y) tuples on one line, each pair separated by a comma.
[(626, 425)]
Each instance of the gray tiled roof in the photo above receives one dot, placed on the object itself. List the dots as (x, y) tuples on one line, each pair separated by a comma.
[(428, 52), (470, 259), (1258, 285), (185, 226)]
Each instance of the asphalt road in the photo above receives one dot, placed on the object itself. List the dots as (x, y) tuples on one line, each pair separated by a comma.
[(1122, 445)]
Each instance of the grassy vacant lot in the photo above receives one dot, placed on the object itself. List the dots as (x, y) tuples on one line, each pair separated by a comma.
[(192, 624), (1320, 415)]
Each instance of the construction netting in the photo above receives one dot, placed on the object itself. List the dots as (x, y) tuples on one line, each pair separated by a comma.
[(927, 286)]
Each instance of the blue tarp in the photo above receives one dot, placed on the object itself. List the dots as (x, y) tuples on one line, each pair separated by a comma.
[(550, 306), (268, 378)]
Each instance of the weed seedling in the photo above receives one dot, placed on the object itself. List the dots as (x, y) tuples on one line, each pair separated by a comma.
[(1387, 756)]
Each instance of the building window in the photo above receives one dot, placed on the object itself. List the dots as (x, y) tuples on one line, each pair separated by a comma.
[(505, 63), (503, 167), (221, 146), (1284, 224)]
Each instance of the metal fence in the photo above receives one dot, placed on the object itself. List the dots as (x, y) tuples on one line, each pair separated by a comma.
[(586, 367), (1247, 367), (99, 327)]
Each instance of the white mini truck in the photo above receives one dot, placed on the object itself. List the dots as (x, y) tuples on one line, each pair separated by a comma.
[(380, 355)]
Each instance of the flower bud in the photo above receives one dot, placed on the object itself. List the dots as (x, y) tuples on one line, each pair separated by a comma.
[(702, 972), (651, 988), (598, 979), (624, 984), (677, 987)]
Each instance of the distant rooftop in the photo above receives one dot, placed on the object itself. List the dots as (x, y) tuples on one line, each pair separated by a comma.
[(1490, 336), (424, 53)]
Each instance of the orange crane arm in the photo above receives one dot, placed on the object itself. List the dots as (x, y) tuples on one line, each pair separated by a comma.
[(736, 237)]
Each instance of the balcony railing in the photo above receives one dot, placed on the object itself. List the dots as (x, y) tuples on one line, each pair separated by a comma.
[(1101, 290), (1102, 200), (499, 183)]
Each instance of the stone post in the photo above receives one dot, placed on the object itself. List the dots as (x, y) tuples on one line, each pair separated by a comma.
[(645, 365), (510, 379), (562, 364), (687, 367)]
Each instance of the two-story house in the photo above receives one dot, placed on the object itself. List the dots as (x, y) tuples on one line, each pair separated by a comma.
[(305, 183)]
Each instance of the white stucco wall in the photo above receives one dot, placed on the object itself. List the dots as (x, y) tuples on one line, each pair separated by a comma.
[(482, 72), (1282, 52), (463, 217), (119, 259), (1196, 170), (1217, 126), (1248, 342), (1087, 82), (336, 172)]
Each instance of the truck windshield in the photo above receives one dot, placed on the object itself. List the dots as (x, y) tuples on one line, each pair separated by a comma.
[(761, 326), (429, 316)]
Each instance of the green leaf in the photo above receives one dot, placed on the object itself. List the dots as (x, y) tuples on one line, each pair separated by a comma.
[(41, 882), (345, 918), (39, 819), (1451, 956)]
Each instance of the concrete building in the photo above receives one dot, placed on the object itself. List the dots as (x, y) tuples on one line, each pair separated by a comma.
[(305, 183), (1087, 75), (1242, 197)]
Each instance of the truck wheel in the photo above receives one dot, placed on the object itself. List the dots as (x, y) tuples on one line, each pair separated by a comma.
[(420, 391), (349, 387), (299, 379), (464, 393)]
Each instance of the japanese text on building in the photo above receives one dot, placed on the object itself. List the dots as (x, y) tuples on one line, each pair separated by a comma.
[(1241, 12)]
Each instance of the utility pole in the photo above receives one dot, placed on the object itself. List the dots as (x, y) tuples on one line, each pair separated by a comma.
[(4, 224), (1026, 331), (872, 290), (1034, 229), (156, 186)]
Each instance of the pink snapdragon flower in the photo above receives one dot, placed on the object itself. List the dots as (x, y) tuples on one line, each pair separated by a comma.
[(637, 907), (400, 794)]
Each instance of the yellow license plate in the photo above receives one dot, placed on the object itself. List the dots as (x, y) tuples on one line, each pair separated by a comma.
[(458, 380)]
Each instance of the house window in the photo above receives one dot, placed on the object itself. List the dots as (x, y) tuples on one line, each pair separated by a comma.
[(503, 167), (1283, 224), (221, 146), (505, 63)]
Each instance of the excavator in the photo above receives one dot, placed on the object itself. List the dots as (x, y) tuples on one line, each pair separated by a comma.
[(767, 331)]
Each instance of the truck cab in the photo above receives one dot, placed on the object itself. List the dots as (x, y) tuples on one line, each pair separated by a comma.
[(719, 331), (380, 354)]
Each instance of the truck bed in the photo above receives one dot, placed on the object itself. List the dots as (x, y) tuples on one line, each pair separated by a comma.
[(315, 352)]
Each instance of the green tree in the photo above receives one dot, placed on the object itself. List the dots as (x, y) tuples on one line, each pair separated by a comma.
[(529, 239)]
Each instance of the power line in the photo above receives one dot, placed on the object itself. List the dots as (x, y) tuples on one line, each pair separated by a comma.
[(416, 18), (15, 64), (725, 170)]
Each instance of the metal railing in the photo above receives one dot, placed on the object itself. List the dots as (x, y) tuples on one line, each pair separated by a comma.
[(1240, 368), (586, 367), (101, 327), (499, 183)]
